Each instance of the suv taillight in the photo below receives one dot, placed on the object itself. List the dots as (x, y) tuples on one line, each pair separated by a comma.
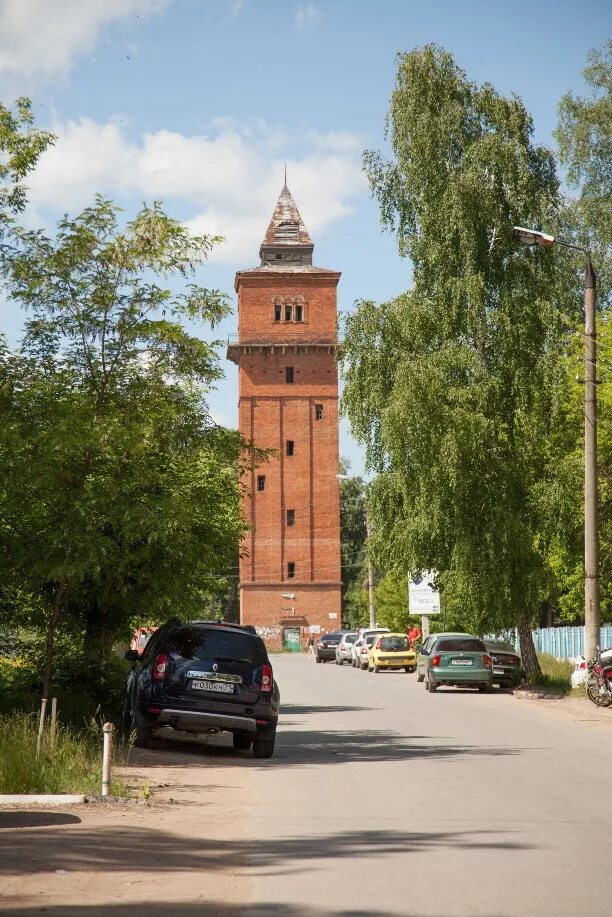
[(159, 667), (487, 661), (435, 660), (266, 678)]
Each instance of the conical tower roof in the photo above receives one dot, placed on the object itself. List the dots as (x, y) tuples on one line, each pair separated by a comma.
[(286, 239)]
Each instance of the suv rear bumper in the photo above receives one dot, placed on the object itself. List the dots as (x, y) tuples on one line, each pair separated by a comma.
[(196, 721)]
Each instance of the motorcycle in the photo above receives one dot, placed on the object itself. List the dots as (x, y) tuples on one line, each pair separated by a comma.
[(599, 679)]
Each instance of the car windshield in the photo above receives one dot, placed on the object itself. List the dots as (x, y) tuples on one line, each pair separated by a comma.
[(393, 644), (460, 645), (500, 646), (350, 638), (210, 643)]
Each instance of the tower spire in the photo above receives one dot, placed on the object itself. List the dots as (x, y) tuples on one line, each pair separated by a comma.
[(286, 241)]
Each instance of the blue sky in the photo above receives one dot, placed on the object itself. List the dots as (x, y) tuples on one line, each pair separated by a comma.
[(201, 102)]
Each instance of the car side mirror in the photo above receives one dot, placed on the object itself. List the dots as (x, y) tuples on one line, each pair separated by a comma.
[(131, 656), (424, 652)]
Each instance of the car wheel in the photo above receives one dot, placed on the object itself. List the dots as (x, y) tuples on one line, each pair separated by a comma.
[(142, 734), (377, 669), (431, 686), (408, 668), (241, 743), (318, 659), (263, 745), (420, 677), (486, 688)]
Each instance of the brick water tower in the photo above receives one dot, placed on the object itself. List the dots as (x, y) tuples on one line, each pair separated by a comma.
[(288, 402)]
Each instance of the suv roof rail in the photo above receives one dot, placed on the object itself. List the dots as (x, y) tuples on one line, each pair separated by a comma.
[(247, 627)]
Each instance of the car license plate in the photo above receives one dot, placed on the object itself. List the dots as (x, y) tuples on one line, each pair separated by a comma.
[(461, 661), (498, 671), (212, 686)]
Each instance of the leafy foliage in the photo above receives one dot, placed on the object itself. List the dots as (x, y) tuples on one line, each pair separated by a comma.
[(119, 496), (454, 387)]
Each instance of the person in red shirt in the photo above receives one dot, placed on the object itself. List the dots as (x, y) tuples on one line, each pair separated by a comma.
[(414, 635)]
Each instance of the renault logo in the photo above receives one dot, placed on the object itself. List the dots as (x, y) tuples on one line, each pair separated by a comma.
[(215, 666)]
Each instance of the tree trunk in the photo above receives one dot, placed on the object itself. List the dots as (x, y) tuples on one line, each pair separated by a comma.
[(528, 653), (55, 612)]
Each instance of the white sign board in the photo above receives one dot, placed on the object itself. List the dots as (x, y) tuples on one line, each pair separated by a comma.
[(423, 599), (333, 614), (315, 629)]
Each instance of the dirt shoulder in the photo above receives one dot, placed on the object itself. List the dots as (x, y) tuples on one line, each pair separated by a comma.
[(576, 706), (181, 847)]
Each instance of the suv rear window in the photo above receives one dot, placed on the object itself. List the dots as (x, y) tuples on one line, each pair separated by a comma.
[(460, 645), (210, 643)]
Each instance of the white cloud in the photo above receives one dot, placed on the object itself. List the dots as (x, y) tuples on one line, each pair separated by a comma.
[(42, 38), (229, 177), (307, 15)]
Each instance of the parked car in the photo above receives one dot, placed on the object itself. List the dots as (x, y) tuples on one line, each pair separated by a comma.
[(326, 647), (455, 659), (508, 669), (391, 651), (580, 673), (343, 650), (203, 676), (359, 643), (364, 648)]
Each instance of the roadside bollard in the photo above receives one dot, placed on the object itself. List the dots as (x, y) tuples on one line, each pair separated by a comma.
[(41, 724), (107, 729)]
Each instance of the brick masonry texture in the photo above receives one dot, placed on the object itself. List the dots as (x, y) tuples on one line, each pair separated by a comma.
[(272, 411)]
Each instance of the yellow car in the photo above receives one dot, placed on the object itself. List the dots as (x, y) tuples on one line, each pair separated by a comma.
[(391, 651)]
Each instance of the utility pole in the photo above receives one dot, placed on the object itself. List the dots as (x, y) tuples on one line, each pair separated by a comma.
[(592, 614), (370, 574)]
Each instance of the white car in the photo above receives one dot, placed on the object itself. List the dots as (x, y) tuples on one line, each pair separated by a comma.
[(579, 675), (343, 650)]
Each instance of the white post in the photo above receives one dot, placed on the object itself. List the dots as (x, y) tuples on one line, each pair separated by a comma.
[(41, 724), (53, 720), (424, 627), (107, 729)]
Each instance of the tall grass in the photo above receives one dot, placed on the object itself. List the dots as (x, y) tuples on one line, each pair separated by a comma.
[(73, 765), (556, 673)]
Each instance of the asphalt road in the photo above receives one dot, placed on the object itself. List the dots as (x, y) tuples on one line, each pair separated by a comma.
[(383, 799)]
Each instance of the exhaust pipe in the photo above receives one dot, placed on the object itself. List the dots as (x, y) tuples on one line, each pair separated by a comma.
[(174, 722)]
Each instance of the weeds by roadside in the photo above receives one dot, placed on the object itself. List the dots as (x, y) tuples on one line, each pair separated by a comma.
[(73, 765), (556, 674)]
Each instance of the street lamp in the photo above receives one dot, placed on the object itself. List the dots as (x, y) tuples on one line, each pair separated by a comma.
[(371, 605), (591, 531)]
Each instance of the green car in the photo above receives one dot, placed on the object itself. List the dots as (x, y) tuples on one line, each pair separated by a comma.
[(455, 659)]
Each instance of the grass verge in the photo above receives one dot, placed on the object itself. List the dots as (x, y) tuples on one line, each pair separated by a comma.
[(73, 765), (556, 674)]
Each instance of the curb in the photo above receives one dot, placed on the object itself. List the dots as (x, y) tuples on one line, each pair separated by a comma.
[(44, 799)]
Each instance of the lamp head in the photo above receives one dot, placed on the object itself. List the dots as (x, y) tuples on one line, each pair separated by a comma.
[(533, 237)]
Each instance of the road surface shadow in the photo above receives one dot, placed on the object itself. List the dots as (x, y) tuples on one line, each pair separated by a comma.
[(15, 818), (291, 709), (203, 909), (155, 852), (297, 747)]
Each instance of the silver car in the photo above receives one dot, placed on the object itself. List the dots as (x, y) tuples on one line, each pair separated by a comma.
[(357, 656), (343, 650)]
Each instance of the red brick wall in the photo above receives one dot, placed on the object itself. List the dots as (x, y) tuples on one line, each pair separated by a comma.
[(272, 411)]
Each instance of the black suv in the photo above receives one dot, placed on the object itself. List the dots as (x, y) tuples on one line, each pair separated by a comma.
[(203, 676)]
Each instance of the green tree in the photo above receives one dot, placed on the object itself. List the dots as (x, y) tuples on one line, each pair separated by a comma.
[(118, 495), (353, 538), (21, 144), (453, 387)]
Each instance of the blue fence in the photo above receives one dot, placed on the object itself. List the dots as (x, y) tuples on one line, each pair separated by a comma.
[(566, 642)]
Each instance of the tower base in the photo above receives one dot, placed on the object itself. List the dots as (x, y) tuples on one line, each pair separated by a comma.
[(285, 614)]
